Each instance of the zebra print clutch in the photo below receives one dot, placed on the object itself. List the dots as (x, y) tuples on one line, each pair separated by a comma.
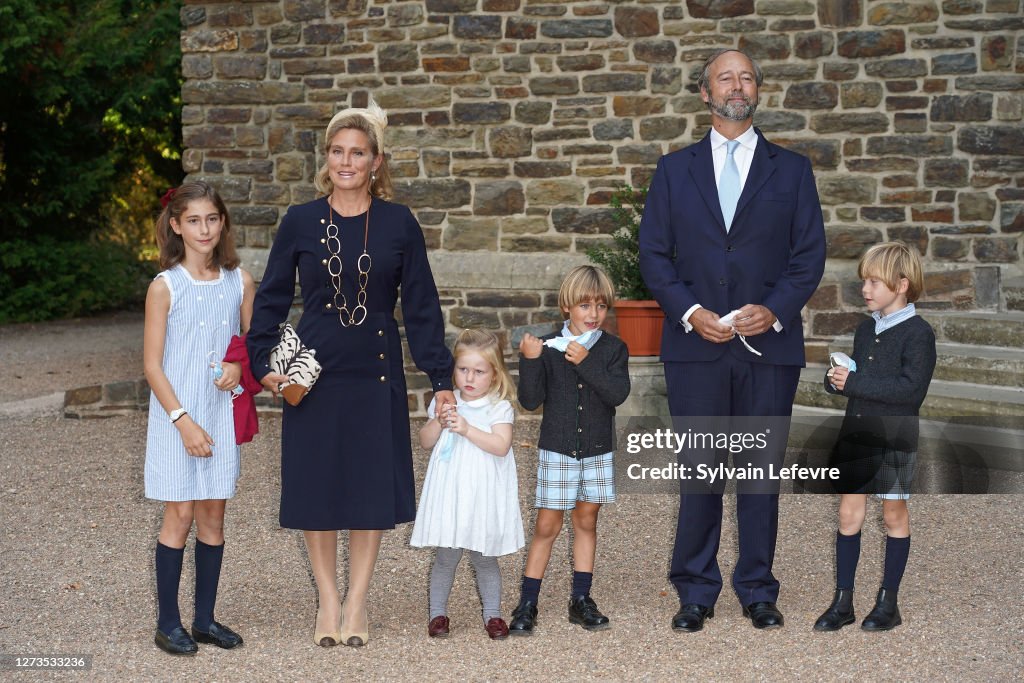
[(292, 358)]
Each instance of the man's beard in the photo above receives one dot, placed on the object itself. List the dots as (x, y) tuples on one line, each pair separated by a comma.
[(733, 111)]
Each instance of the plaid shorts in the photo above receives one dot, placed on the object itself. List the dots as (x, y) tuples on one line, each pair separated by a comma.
[(562, 480), (893, 478)]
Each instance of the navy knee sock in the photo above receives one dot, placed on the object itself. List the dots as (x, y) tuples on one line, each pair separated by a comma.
[(208, 561), (581, 582), (847, 555), (168, 577), (530, 590), (897, 550)]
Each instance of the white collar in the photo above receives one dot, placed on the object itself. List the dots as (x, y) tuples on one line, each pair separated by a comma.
[(747, 139)]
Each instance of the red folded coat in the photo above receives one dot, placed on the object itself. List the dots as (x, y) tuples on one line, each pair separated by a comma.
[(246, 423)]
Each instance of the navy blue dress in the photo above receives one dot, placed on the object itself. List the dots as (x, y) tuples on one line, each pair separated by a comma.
[(346, 456)]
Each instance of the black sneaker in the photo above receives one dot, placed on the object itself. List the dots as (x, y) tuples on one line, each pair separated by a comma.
[(524, 617), (583, 611)]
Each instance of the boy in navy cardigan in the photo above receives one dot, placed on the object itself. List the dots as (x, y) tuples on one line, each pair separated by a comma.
[(579, 375), (894, 354)]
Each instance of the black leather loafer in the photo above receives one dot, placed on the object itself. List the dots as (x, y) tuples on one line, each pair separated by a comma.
[(886, 613), (584, 611), (524, 617), (177, 642), (839, 613), (763, 615), (218, 635), (691, 616)]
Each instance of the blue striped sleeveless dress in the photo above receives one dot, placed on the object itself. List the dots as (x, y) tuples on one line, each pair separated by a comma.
[(202, 318)]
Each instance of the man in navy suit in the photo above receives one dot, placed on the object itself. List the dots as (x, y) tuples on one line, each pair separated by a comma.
[(732, 223)]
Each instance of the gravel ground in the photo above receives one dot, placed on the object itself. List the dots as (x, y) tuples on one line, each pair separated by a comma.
[(77, 570)]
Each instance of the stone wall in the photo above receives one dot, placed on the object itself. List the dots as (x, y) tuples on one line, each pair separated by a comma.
[(512, 121)]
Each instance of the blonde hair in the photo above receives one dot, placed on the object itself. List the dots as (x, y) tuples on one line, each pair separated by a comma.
[(585, 283), (890, 262), (371, 121), (170, 243), (489, 347)]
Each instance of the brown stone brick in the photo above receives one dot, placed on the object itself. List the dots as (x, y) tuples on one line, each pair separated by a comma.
[(654, 51), (860, 94), (997, 249), (499, 198), (825, 298), (976, 206), (859, 44), (554, 85), (616, 82), (765, 46), (580, 63), (554, 192), (973, 107), (931, 214), (910, 123), (811, 96), (839, 13), (637, 106), (853, 123), (304, 10), (536, 243), (576, 28), (1011, 217), (196, 66), (888, 13), (846, 189), (637, 22), (813, 44), (911, 145), (434, 193), (470, 234), (840, 71), (221, 40), (904, 103), (541, 169), (836, 324), (585, 221), (996, 53), (208, 136), (849, 242), (719, 9), (950, 248)]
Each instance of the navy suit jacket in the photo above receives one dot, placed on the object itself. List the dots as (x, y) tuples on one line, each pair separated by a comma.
[(774, 255)]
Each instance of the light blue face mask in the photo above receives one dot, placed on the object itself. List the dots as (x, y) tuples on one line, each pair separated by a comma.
[(840, 359), (561, 343)]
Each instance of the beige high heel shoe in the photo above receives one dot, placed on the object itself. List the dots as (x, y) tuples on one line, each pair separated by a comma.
[(351, 636), (325, 638)]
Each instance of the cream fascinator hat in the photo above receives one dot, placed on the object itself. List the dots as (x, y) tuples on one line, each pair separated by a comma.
[(372, 113)]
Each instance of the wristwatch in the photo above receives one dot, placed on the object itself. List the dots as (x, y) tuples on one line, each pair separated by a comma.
[(176, 414)]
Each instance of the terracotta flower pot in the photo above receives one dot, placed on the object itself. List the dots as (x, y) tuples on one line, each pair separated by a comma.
[(640, 324)]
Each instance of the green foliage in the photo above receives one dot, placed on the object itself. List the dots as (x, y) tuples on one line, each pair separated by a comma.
[(45, 279), (621, 258), (91, 95)]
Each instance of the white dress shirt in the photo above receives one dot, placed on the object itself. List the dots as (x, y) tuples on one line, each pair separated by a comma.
[(743, 156)]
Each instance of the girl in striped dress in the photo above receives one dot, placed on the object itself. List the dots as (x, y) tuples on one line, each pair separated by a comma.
[(193, 308)]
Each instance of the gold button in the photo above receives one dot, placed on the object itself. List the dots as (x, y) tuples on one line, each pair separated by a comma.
[(322, 221), (383, 378), (380, 333), (381, 356), (328, 307)]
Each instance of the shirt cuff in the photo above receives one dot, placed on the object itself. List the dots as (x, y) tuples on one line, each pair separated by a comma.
[(686, 317), (777, 326)]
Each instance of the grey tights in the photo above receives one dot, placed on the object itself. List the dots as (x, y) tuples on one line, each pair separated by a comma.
[(442, 576)]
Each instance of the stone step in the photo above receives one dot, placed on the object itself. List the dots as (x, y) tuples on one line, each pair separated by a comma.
[(972, 402), (987, 329), (976, 364)]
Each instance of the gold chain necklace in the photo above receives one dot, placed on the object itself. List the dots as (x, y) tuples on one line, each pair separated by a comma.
[(334, 267)]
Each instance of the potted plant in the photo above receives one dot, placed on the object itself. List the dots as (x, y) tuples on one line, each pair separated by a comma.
[(639, 316)]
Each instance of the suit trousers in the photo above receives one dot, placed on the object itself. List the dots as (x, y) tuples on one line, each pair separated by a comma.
[(729, 386)]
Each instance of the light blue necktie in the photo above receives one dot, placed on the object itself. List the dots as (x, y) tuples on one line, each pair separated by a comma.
[(729, 185)]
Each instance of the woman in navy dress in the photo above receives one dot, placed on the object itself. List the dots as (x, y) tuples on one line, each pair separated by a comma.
[(346, 457)]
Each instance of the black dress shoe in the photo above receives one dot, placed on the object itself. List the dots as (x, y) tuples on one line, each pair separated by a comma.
[(583, 611), (839, 613), (885, 615), (524, 617), (691, 616), (177, 642), (763, 615), (218, 635)]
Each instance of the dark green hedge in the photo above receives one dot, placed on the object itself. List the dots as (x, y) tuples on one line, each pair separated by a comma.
[(48, 279)]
